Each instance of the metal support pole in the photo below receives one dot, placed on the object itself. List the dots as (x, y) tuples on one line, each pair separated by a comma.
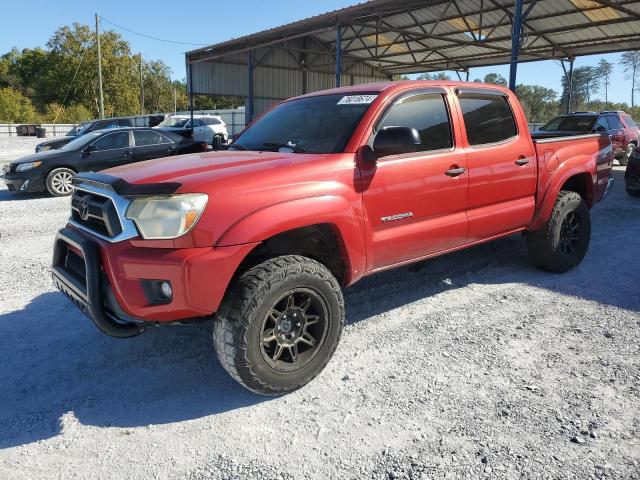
[(99, 69), (141, 87), (249, 112), (191, 94), (569, 97), (515, 44), (338, 54), (467, 72)]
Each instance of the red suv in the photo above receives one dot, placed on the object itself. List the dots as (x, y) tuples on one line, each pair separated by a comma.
[(623, 131)]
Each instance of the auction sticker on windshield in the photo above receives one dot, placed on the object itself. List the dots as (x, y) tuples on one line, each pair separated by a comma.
[(355, 99)]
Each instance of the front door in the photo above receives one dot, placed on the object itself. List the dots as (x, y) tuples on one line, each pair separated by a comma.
[(415, 203), (502, 164), (108, 151)]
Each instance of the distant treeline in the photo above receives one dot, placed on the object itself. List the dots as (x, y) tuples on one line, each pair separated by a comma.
[(59, 83)]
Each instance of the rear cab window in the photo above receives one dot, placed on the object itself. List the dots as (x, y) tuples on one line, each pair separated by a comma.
[(488, 118), (614, 122)]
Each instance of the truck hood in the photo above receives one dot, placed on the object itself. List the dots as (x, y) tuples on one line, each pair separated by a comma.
[(195, 169)]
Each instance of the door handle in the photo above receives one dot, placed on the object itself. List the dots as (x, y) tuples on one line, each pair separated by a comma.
[(127, 153), (522, 161), (454, 172)]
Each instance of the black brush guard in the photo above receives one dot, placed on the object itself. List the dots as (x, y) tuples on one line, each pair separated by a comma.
[(88, 292)]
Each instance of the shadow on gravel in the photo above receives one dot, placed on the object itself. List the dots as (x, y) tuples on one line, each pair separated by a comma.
[(7, 196), (54, 362), (58, 370)]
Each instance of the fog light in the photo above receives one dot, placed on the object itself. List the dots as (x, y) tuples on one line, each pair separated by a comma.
[(24, 186), (166, 290)]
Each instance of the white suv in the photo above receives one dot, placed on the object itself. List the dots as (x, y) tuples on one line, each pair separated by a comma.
[(205, 127)]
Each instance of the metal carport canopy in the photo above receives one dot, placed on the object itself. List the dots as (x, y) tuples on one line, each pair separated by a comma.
[(376, 39)]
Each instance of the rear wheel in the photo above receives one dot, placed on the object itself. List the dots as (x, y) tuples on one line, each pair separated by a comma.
[(624, 160), (279, 324), (633, 193), (564, 240), (58, 182)]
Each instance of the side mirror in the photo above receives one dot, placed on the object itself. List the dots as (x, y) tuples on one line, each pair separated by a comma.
[(88, 149), (395, 141), (600, 129)]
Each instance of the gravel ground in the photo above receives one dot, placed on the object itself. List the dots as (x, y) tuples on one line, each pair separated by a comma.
[(471, 365)]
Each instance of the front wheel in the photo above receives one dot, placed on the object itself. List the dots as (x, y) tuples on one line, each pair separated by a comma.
[(58, 182), (564, 240), (279, 324)]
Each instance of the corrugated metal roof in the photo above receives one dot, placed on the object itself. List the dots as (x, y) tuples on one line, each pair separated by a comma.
[(381, 38), (429, 35)]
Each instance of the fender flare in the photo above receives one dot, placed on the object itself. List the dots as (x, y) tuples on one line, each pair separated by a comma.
[(558, 178), (345, 218)]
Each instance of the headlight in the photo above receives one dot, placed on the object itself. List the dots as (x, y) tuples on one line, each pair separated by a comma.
[(165, 217), (23, 167)]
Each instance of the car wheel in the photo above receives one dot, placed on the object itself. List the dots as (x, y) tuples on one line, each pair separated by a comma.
[(564, 240), (279, 324), (624, 160), (58, 182), (633, 193)]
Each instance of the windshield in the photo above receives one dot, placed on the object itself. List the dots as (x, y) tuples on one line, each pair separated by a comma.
[(80, 141), (174, 122), (82, 128), (571, 123), (319, 124)]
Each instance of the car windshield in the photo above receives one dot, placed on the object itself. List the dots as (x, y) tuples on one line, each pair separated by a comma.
[(318, 124), (571, 123), (81, 129), (174, 122), (80, 141)]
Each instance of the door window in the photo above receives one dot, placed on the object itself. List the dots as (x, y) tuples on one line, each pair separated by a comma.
[(144, 138), (428, 114), (487, 118), (601, 123), (112, 141), (614, 122)]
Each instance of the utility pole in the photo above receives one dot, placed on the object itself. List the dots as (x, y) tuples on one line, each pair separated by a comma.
[(99, 69), (141, 87), (175, 100)]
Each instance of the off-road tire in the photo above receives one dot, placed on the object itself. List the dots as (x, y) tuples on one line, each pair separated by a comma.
[(237, 328), (633, 193), (54, 184), (544, 246)]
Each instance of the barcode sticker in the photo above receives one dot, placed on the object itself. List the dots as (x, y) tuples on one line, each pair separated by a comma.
[(356, 99)]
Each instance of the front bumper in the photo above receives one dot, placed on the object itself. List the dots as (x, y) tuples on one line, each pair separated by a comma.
[(106, 280), (29, 181)]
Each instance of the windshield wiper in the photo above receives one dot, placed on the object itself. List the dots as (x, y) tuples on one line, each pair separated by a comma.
[(284, 145)]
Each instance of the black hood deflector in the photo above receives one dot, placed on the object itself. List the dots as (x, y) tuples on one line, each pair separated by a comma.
[(124, 188)]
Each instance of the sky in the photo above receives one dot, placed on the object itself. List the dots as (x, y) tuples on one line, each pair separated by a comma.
[(30, 23)]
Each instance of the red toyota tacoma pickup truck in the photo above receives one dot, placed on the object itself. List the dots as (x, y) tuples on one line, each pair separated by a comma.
[(320, 191)]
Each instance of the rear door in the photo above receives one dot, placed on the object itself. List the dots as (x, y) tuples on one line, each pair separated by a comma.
[(616, 131), (108, 151), (502, 164), (150, 144), (413, 207)]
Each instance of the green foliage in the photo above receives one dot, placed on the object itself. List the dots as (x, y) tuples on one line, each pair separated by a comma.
[(630, 62), (15, 107), (434, 76), (495, 79), (539, 103)]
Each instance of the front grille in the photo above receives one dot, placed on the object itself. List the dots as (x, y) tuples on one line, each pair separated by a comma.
[(12, 168), (95, 212)]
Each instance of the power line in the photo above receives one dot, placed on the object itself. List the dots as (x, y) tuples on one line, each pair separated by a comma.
[(149, 36), (66, 95)]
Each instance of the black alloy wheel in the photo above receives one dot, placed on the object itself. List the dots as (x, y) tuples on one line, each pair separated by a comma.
[(294, 330)]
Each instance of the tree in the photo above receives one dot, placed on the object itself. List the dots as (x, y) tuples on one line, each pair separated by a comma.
[(495, 79), (605, 69), (434, 76), (15, 107), (539, 103), (631, 63), (584, 84)]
